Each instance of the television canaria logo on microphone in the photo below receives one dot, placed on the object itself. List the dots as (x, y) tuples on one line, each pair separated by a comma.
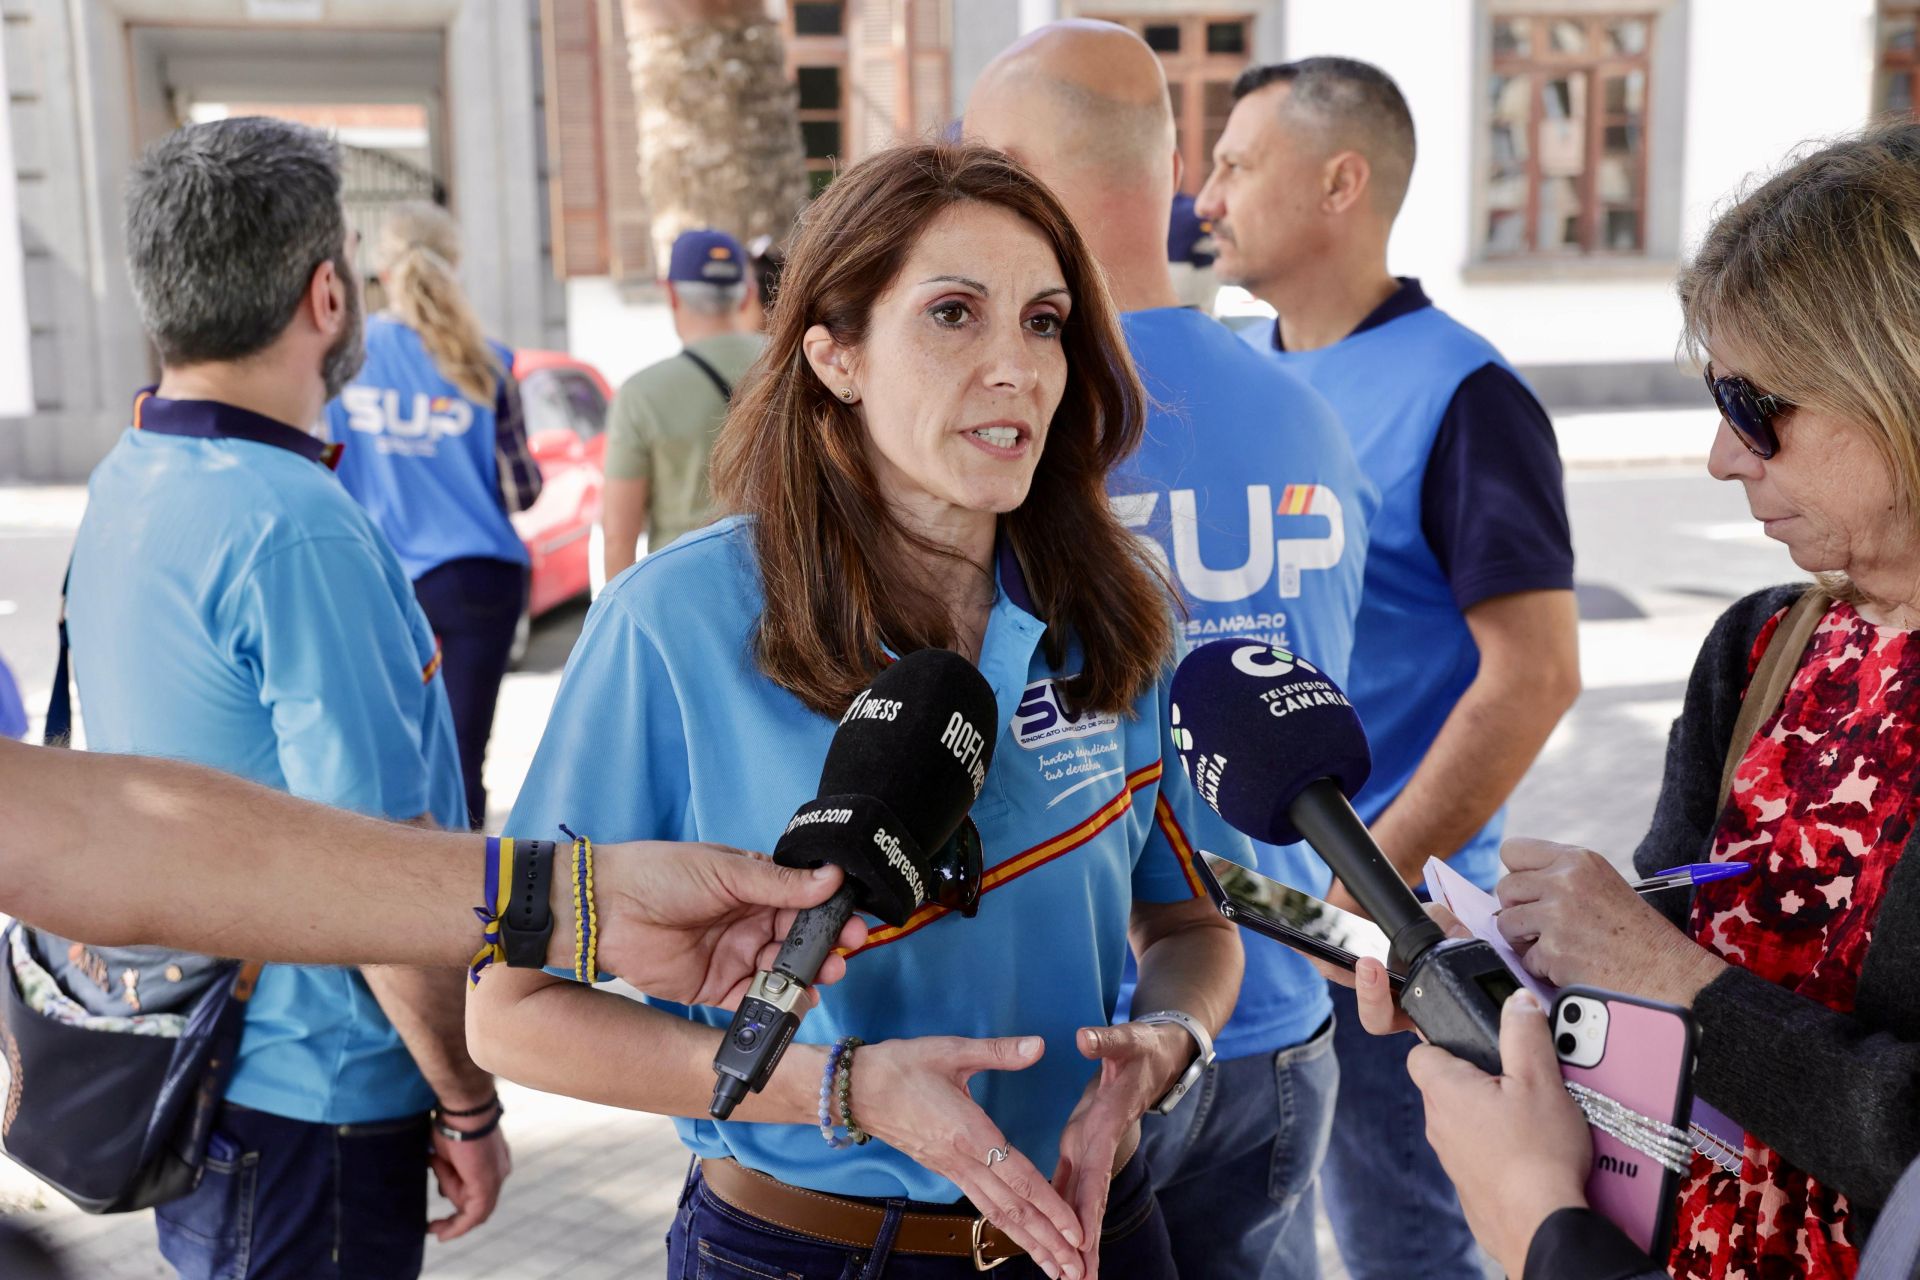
[(1263, 661)]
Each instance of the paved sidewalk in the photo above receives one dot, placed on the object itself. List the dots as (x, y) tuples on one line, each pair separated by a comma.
[(592, 1192)]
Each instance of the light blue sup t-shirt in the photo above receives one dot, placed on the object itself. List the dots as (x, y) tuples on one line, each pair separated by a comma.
[(230, 605), (664, 729), (1246, 488)]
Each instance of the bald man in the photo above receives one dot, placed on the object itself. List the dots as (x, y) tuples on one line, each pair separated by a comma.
[(1246, 489), (1466, 651)]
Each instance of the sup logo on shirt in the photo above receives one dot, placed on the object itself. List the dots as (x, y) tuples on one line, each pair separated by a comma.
[(1267, 557), (1043, 718), (409, 424)]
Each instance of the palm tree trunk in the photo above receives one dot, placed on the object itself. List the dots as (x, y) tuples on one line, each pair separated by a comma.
[(718, 122)]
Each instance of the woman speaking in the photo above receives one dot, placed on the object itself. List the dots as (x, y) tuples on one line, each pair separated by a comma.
[(436, 451), (917, 460)]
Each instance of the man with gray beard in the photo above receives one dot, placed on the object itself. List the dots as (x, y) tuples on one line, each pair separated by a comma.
[(231, 605)]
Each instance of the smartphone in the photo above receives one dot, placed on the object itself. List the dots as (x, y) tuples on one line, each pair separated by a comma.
[(1298, 919), (1639, 1053)]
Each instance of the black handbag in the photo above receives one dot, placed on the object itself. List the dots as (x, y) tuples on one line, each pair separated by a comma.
[(112, 1120)]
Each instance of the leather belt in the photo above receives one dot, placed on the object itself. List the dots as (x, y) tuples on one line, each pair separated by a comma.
[(856, 1223)]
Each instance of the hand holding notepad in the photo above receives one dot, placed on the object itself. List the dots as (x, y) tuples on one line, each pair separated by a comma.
[(1475, 908)]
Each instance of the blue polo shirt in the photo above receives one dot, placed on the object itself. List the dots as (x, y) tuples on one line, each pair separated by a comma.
[(232, 606), (664, 729), (1247, 491)]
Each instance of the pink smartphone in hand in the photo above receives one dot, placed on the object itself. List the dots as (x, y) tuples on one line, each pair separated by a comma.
[(1640, 1054)]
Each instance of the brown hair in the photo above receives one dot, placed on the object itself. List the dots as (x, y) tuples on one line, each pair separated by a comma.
[(1816, 274), (419, 245), (836, 565)]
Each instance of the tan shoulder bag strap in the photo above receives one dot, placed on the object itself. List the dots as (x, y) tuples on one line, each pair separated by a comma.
[(1771, 678), (245, 980)]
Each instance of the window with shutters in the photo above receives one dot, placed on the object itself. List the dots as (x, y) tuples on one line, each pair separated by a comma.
[(817, 58), (1899, 60), (576, 150), (598, 210), (1566, 149), (1202, 55)]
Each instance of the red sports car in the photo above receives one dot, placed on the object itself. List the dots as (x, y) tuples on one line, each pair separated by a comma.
[(566, 406)]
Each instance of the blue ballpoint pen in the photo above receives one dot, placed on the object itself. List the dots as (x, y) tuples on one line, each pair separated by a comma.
[(1693, 873)]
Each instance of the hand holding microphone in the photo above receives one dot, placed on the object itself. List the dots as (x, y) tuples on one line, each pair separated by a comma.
[(905, 765), (1275, 748)]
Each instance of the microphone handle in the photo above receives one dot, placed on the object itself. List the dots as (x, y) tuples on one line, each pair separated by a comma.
[(764, 1024), (1330, 825), (812, 936)]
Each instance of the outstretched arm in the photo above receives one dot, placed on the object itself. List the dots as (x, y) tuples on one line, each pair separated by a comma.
[(1529, 675), (118, 850)]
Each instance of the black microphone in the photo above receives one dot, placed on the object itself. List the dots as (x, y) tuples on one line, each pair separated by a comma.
[(905, 765), (1276, 749)]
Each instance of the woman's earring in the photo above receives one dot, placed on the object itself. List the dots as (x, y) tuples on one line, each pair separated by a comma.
[(846, 393)]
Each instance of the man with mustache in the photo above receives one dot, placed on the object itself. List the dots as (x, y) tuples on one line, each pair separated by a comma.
[(1465, 652), (231, 605)]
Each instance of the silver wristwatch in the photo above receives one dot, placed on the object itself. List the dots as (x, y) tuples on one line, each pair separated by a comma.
[(1200, 1063)]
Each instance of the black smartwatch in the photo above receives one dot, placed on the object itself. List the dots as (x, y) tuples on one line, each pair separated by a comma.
[(527, 925)]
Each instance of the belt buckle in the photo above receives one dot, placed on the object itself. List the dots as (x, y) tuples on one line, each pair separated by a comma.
[(980, 1263)]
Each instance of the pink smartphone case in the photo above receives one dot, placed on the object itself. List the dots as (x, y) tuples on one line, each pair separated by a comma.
[(1647, 1065)]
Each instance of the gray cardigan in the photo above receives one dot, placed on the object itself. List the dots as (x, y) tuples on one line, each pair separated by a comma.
[(1838, 1095)]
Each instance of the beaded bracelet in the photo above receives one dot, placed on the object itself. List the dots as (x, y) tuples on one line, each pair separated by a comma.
[(836, 1091), (834, 1055), (855, 1134)]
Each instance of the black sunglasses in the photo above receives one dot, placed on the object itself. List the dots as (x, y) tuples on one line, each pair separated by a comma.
[(1750, 413)]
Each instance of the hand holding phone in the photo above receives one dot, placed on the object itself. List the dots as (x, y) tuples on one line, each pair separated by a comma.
[(1300, 920), (1640, 1054)]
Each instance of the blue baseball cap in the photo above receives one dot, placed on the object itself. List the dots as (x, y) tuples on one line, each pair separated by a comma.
[(708, 256), (1189, 236)]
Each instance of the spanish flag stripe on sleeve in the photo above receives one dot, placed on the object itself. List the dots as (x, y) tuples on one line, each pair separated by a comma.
[(1032, 859), (1182, 847)]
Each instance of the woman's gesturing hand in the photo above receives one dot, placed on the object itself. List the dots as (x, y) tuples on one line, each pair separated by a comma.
[(1573, 918), (1138, 1064), (912, 1094)]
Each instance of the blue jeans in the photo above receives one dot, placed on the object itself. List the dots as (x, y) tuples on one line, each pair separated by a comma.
[(711, 1240), (287, 1200), (1234, 1165), (1393, 1209)]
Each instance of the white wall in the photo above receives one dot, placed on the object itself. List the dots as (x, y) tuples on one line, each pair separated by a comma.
[(616, 336), (496, 188), (1763, 76), (1756, 77), (16, 371)]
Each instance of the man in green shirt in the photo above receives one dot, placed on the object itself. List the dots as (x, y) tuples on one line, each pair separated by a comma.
[(667, 416)]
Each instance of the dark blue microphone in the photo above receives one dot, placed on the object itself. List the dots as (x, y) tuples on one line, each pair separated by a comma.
[(1276, 749)]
